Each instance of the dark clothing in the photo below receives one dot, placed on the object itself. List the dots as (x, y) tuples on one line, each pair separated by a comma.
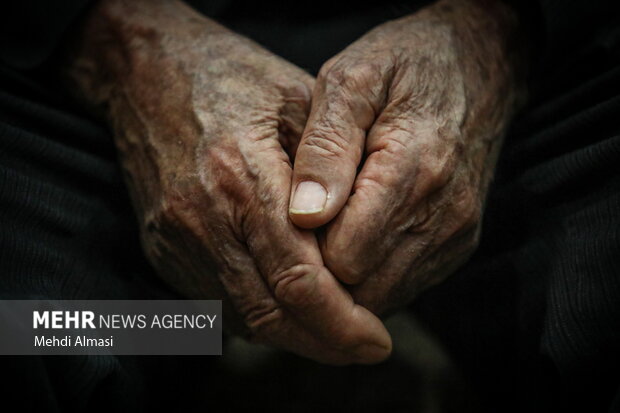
[(533, 320)]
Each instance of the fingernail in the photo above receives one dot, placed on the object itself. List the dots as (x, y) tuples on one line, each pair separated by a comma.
[(309, 198)]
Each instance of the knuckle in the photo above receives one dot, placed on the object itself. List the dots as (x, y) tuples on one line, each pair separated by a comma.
[(350, 75), (262, 319), (397, 144), (298, 91), (328, 65), (343, 264), (440, 157), (331, 74), (348, 273), (326, 143), (295, 285), (470, 210), (435, 172), (424, 217)]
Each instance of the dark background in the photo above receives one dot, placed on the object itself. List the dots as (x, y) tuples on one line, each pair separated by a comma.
[(531, 323)]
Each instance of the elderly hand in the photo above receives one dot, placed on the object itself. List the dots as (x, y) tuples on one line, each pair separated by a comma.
[(420, 105), (205, 121)]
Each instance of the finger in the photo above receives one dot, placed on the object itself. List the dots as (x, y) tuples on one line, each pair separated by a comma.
[(393, 194), (345, 101), (294, 111), (404, 275), (290, 262), (263, 319)]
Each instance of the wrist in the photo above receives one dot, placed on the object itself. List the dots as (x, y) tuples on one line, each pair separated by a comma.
[(491, 47), (492, 40), (117, 36)]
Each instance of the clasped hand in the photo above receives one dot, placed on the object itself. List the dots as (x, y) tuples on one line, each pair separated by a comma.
[(233, 156)]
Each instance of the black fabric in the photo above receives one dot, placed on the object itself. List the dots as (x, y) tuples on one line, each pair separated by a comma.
[(67, 231), (533, 320), (534, 317), (535, 312), (30, 31)]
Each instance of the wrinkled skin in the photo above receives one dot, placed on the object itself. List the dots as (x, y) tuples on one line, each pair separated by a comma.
[(205, 122), (402, 129), (420, 104)]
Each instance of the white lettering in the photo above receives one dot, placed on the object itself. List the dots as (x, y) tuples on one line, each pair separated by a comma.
[(38, 319), (63, 319)]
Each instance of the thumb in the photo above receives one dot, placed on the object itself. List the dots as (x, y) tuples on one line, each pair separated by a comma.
[(344, 106)]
